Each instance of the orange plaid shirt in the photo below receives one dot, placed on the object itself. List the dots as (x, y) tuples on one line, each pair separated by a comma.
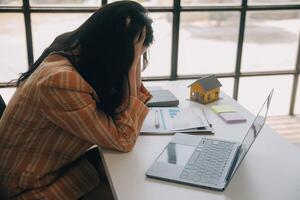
[(49, 122)]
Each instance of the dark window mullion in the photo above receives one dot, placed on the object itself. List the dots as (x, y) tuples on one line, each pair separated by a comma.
[(9, 9), (240, 49), (175, 39), (295, 82), (210, 8), (272, 7), (27, 19)]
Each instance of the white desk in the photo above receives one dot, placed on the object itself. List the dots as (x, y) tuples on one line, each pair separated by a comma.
[(270, 171)]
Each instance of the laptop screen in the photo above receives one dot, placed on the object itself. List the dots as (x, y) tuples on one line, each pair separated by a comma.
[(253, 132)]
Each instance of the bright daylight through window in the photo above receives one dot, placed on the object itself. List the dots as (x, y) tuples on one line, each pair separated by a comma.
[(246, 43)]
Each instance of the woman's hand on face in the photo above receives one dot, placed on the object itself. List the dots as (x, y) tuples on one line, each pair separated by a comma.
[(138, 45), (134, 72), (138, 76), (139, 69)]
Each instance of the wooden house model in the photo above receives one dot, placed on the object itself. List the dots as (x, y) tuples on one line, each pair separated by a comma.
[(205, 89)]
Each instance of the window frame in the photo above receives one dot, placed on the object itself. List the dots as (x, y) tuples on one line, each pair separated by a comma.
[(175, 10)]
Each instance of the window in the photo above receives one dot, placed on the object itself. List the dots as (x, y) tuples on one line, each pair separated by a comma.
[(11, 2), (254, 90), (160, 51), (72, 3), (271, 40), (210, 2), (13, 57), (243, 42), (152, 2), (207, 42), (274, 2), (45, 27), (227, 85)]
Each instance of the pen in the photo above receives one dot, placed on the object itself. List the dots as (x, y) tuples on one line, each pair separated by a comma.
[(204, 113), (156, 119)]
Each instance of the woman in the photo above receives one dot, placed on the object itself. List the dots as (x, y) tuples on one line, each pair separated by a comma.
[(85, 89)]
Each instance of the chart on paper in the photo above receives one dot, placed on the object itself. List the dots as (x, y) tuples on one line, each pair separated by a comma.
[(173, 119)]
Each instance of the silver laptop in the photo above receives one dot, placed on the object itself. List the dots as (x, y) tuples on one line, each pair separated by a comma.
[(205, 162)]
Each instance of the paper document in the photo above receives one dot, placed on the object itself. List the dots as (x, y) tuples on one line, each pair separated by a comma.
[(174, 119), (222, 108)]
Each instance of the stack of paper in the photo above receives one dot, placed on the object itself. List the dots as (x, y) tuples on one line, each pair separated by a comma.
[(228, 113), (173, 119), (222, 108)]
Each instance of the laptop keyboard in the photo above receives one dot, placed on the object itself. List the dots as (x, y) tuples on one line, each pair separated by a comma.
[(208, 161)]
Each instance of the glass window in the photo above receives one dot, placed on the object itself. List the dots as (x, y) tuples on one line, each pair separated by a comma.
[(151, 2), (13, 56), (297, 102), (208, 42), (271, 40), (7, 93), (65, 2), (227, 85), (11, 2), (160, 50), (45, 27), (274, 1), (254, 90), (210, 2)]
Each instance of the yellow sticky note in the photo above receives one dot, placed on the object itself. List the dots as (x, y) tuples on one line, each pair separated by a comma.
[(221, 108)]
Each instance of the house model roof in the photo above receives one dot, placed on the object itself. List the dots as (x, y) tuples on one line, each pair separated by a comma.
[(208, 82)]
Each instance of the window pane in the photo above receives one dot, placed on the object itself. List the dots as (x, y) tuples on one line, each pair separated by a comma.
[(11, 2), (13, 57), (271, 40), (274, 1), (160, 51), (151, 2), (210, 2), (208, 42), (65, 2), (227, 85), (297, 103), (7, 93), (254, 90), (45, 27)]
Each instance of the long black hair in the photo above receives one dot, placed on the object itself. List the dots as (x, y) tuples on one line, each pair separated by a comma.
[(106, 50)]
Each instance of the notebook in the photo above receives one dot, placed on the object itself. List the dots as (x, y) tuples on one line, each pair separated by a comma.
[(162, 98), (228, 113), (232, 117), (221, 108), (162, 120)]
